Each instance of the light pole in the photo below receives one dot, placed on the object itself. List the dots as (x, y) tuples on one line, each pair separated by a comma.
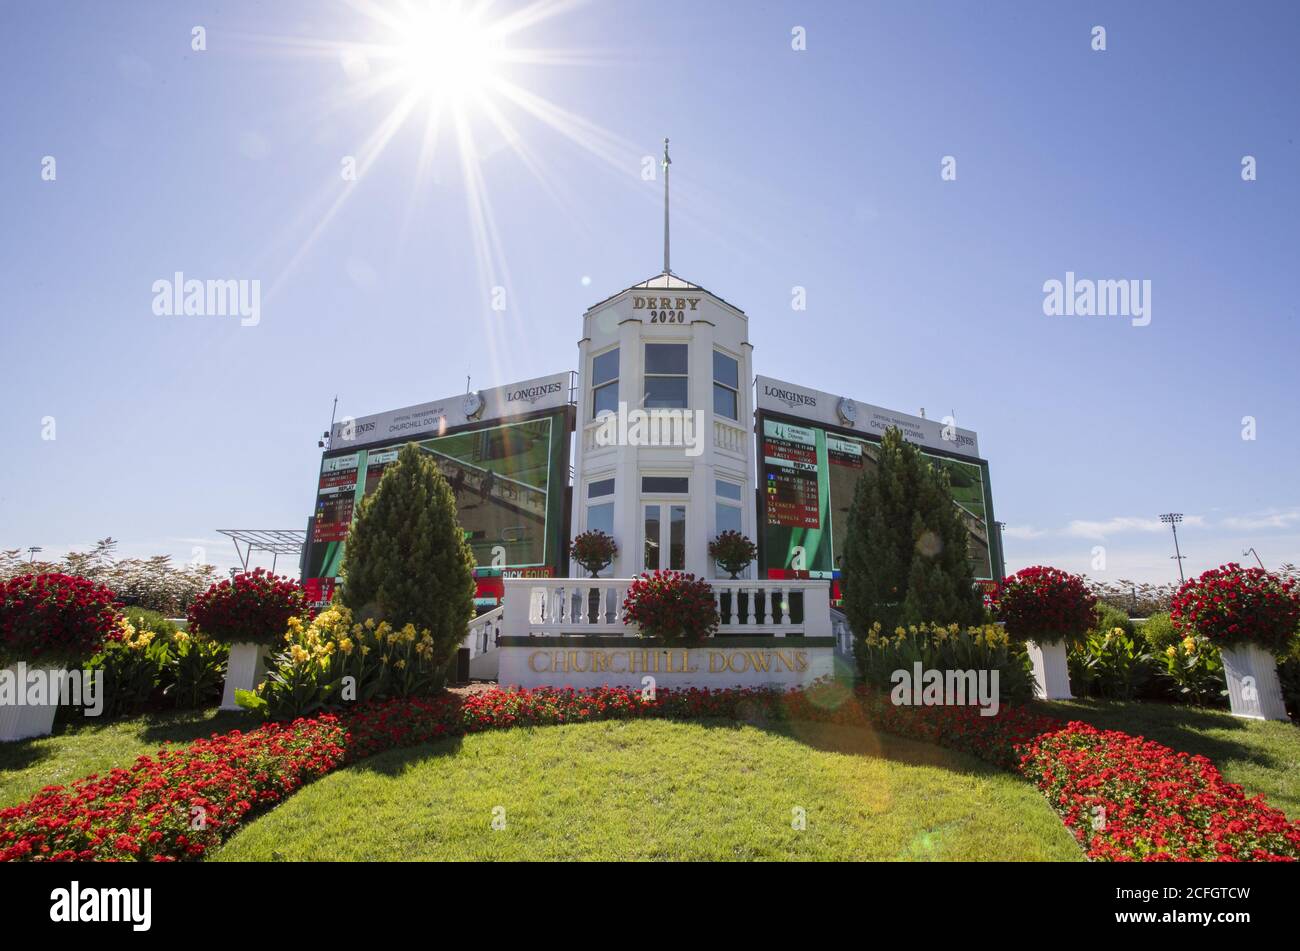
[(31, 553), (1251, 551), (1172, 519)]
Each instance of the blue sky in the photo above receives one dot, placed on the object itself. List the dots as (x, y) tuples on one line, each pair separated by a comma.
[(818, 168)]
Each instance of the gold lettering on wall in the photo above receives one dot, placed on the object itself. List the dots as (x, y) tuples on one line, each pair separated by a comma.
[(678, 661)]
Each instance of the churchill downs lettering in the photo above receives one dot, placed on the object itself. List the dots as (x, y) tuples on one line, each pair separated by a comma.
[(675, 661)]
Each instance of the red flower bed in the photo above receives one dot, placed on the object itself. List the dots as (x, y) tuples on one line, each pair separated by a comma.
[(56, 618), (1234, 605), (1159, 804), (672, 605), (1045, 605), (254, 608), (1127, 798), (176, 805)]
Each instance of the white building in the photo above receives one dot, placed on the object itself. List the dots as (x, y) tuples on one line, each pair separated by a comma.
[(666, 432), (675, 465)]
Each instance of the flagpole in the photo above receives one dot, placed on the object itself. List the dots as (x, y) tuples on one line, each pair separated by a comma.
[(666, 163)]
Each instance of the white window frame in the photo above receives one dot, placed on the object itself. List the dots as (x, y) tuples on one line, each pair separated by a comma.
[(646, 375), (594, 386), (727, 386)]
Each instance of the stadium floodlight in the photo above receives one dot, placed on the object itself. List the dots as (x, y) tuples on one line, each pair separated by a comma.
[(1172, 519)]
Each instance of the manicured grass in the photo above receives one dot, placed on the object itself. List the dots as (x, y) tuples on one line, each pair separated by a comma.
[(1262, 756), (647, 789), (77, 749)]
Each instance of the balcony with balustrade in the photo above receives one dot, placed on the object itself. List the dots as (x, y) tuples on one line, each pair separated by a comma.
[(560, 607)]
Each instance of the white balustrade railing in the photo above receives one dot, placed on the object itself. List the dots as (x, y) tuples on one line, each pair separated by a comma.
[(553, 606), (728, 437), (482, 633)]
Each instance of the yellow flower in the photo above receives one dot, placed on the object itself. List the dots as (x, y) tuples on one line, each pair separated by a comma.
[(1189, 644), (299, 655), (345, 645), (400, 665), (370, 624), (180, 637), (1171, 651)]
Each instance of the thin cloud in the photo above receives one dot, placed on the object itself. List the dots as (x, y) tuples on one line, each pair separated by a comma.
[(1124, 524), (1263, 520)]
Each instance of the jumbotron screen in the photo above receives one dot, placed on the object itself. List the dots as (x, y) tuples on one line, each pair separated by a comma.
[(806, 485), (508, 480)]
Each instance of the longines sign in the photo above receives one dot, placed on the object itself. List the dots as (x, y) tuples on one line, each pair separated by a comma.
[(817, 406), (429, 419)]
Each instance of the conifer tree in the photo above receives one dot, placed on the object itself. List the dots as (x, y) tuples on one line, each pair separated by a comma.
[(906, 552), (406, 559)]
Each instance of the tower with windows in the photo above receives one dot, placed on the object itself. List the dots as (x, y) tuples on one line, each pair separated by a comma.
[(664, 456)]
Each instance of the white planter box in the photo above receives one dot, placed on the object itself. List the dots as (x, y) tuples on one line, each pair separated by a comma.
[(1051, 670), (24, 721), (243, 671), (1253, 688)]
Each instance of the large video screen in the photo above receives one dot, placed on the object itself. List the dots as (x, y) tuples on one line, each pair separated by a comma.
[(808, 477), (508, 481)]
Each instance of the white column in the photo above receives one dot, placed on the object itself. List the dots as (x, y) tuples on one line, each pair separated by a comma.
[(1254, 691), (243, 671), (699, 509), (21, 721), (1051, 670), (627, 481)]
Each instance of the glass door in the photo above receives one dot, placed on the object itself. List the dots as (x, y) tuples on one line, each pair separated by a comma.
[(663, 535)]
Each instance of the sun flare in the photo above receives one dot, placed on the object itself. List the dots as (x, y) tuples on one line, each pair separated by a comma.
[(462, 77), (448, 52)]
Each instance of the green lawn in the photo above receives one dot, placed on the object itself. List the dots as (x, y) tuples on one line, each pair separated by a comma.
[(623, 790), (1263, 756), (657, 789), (77, 750)]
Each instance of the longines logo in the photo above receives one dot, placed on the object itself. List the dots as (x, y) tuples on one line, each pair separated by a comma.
[(789, 397), (531, 394)]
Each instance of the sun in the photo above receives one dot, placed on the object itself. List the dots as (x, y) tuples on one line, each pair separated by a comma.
[(463, 78), (448, 52)]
